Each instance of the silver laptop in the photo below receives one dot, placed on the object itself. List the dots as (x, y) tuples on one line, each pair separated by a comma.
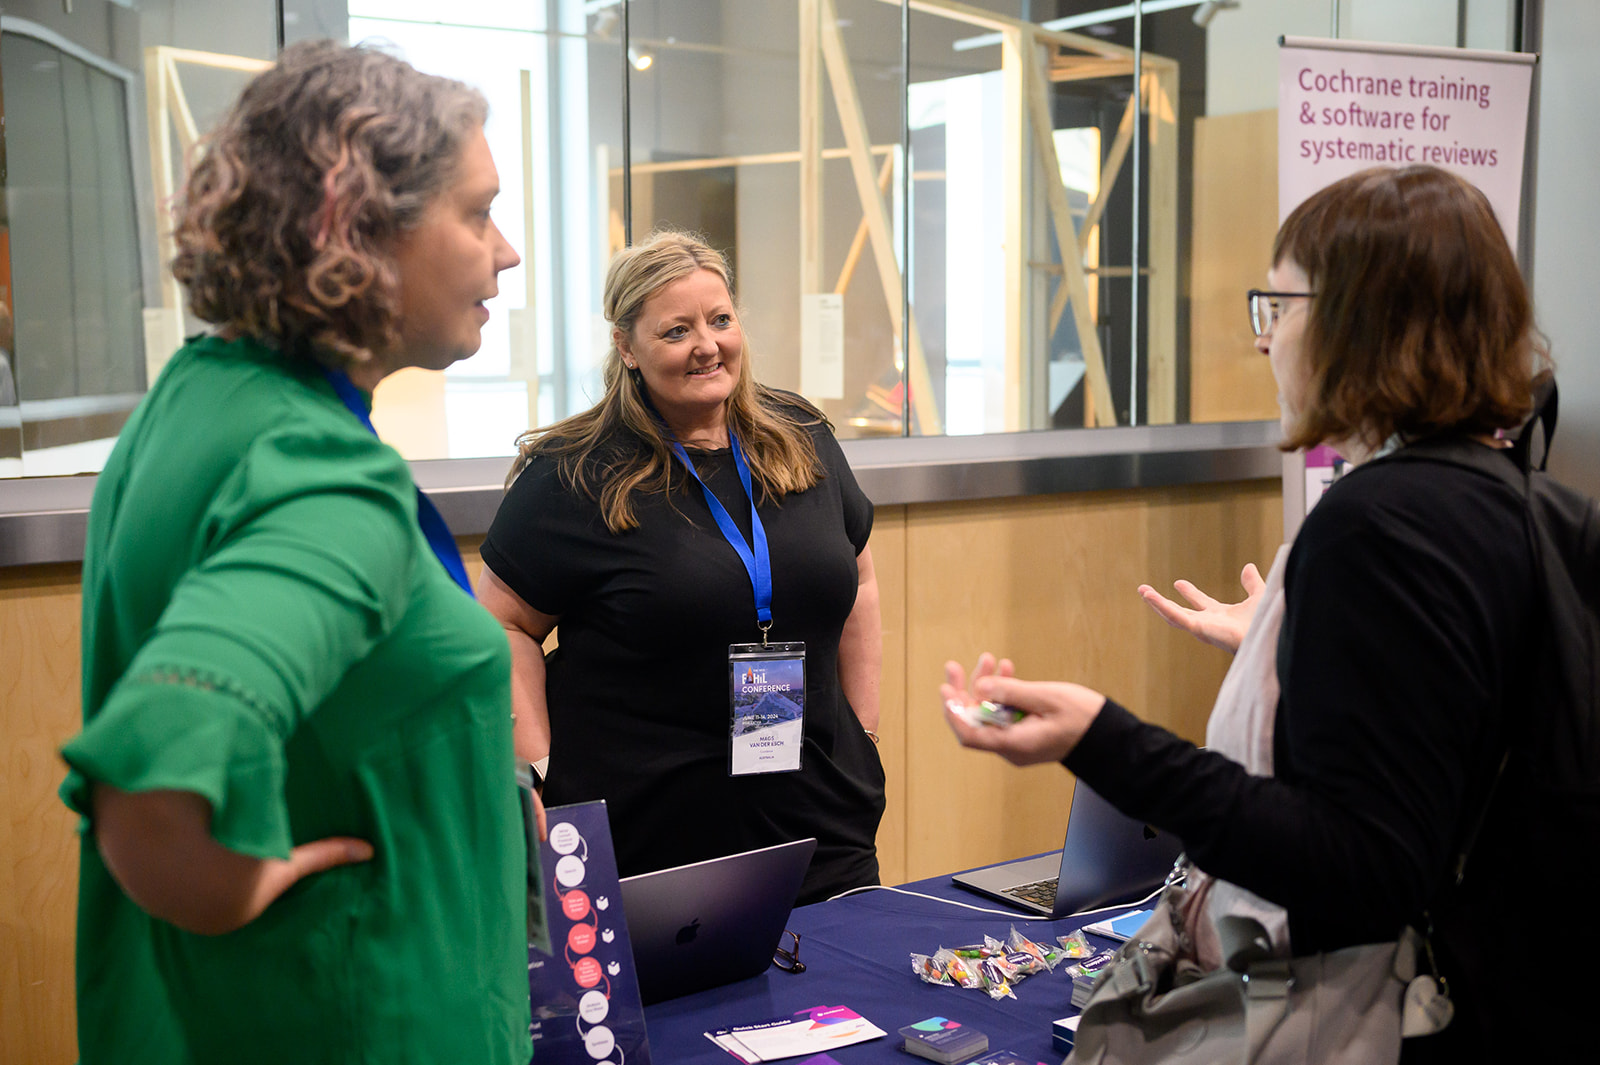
[(1105, 859), (713, 922)]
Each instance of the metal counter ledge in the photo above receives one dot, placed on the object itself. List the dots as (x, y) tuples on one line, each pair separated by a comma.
[(42, 519)]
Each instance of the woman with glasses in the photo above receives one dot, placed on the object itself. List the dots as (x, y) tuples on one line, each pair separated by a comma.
[(1356, 740)]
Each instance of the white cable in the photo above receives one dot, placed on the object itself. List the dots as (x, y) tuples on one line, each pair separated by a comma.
[(1118, 906), (1002, 913), (947, 902)]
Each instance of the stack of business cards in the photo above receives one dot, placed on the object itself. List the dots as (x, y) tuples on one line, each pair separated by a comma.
[(1086, 973), (1064, 1032), (943, 1040)]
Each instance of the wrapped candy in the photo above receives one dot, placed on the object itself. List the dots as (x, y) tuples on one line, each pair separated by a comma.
[(996, 978), (1092, 965), (962, 970), (1045, 957), (929, 971), (1075, 945)]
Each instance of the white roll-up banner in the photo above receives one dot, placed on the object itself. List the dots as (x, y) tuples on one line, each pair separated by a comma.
[(1344, 106)]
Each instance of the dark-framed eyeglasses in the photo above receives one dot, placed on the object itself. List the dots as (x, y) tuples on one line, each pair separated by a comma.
[(1265, 308), (788, 958)]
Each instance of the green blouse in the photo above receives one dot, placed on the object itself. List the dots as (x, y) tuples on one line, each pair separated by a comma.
[(265, 625)]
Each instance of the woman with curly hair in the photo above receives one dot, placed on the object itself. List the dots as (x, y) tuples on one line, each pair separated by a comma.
[(302, 840), (690, 511)]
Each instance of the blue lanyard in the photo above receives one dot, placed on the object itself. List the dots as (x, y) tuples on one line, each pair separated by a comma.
[(757, 563), (428, 516)]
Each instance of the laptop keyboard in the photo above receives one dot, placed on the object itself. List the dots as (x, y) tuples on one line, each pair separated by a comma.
[(1040, 892)]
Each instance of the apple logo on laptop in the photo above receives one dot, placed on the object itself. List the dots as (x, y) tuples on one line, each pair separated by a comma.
[(687, 933)]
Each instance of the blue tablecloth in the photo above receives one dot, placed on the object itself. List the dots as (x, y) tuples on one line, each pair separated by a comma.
[(857, 952)]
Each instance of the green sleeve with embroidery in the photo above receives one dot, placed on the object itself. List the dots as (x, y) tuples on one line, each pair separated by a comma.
[(303, 559)]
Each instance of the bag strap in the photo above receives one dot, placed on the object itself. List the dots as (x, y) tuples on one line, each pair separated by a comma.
[(1546, 405), (1244, 942), (1459, 451), (1266, 1002), (1518, 475), (1483, 815)]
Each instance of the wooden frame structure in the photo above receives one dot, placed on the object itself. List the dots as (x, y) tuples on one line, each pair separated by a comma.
[(167, 111), (1026, 76), (1032, 58)]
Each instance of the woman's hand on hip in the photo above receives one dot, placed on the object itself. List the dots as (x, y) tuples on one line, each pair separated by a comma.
[(158, 846), (1055, 714)]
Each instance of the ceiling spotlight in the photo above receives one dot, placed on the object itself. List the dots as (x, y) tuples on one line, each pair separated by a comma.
[(641, 58), (606, 21), (1208, 11)]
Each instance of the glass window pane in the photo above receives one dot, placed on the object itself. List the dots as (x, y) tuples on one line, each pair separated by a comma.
[(104, 249), (88, 316), (846, 191), (551, 74), (1034, 131), (1230, 165), (772, 128), (36, 204)]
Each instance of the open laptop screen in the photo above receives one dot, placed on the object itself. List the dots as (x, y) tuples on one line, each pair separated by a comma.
[(713, 922), (1106, 858)]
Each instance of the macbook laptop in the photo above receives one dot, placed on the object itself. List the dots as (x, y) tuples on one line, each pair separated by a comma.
[(713, 922), (1105, 859)]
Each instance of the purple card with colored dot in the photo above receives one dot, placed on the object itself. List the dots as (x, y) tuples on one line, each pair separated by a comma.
[(584, 991)]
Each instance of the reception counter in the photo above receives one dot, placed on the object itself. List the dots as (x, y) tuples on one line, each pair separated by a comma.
[(1030, 545)]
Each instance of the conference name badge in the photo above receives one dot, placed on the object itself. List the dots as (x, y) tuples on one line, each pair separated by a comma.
[(767, 701)]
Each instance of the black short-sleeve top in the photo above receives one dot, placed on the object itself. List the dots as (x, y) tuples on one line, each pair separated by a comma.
[(638, 687)]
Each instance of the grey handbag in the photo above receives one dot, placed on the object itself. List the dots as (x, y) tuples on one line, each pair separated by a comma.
[(1343, 1007)]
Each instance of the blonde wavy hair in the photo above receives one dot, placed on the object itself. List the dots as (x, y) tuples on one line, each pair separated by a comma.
[(592, 449), (287, 223)]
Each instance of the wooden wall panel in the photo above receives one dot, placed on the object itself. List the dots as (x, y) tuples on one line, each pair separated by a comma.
[(39, 625), (1012, 578), (889, 561), (1048, 580), (470, 557), (1205, 535), (1051, 582), (1235, 219)]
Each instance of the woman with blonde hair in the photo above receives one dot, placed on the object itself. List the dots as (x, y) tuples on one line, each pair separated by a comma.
[(690, 512), (302, 838)]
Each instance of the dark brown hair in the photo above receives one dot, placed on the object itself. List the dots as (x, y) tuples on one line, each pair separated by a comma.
[(1420, 322), (287, 224), (777, 445)]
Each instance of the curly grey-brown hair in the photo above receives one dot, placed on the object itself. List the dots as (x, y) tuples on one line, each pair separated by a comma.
[(287, 223)]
